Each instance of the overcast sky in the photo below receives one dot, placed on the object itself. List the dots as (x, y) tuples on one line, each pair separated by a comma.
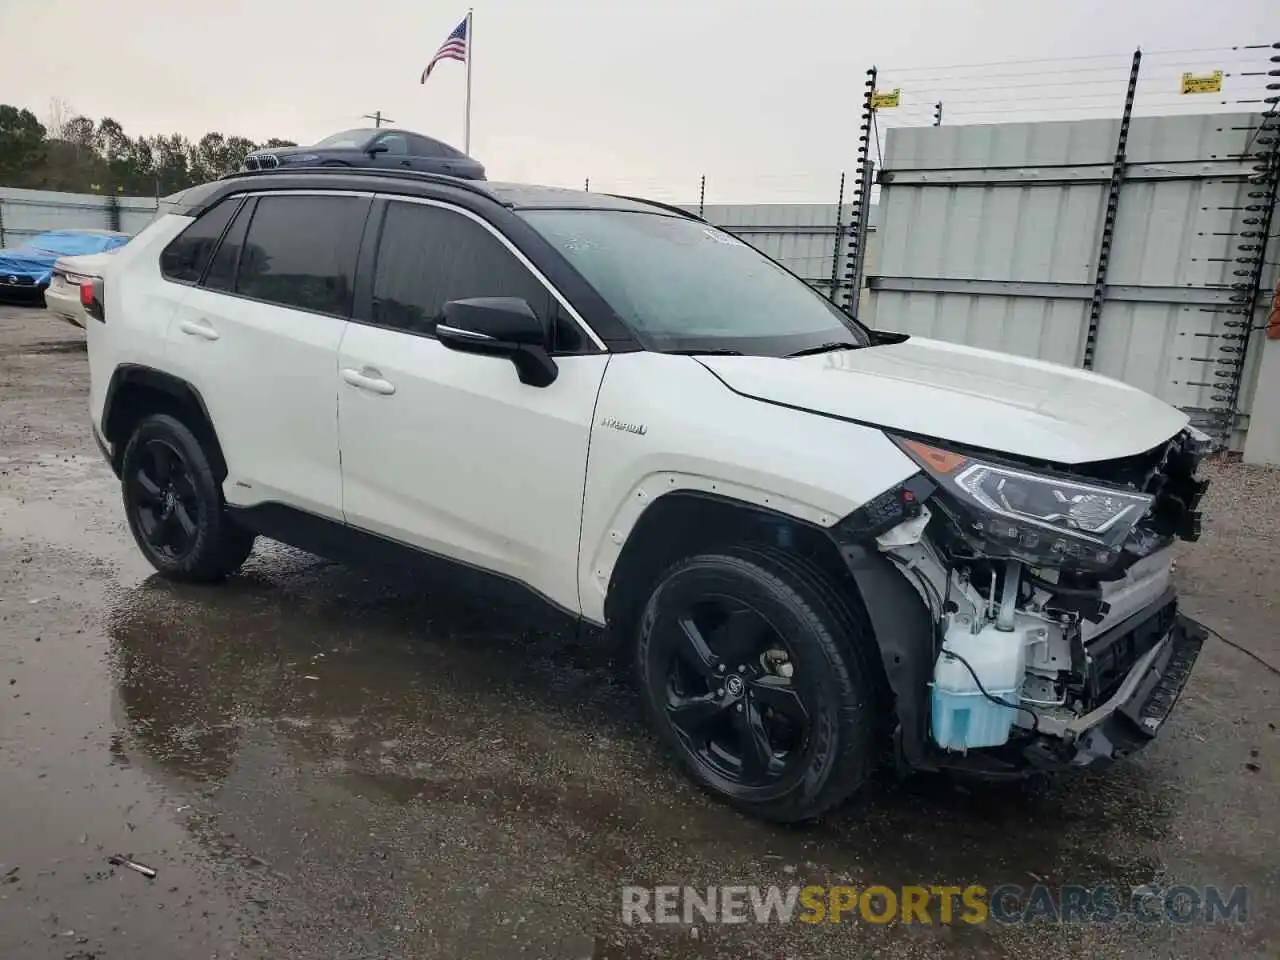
[(641, 95)]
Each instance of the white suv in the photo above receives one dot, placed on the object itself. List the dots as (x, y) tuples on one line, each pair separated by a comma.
[(825, 546)]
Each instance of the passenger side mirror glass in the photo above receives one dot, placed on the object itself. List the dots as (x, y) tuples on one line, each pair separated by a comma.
[(500, 327), (377, 148)]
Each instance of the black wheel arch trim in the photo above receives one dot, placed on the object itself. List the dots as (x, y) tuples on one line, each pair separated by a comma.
[(904, 632), (129, 374)]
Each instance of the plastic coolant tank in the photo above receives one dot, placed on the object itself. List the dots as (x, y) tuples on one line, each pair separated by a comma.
[(963, 718)]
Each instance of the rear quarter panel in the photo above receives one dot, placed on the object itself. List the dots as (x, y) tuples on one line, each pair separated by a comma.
[(139, 303)]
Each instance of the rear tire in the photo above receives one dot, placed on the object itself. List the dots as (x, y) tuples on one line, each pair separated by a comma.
[(174, 505), (784, 740)]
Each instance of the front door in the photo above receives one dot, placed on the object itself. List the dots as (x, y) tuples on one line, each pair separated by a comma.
[(450, 452)]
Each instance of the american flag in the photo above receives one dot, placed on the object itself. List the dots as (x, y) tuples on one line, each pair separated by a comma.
[(454, 48)]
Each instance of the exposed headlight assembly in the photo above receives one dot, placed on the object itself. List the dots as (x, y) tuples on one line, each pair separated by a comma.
[(1046, 519), (297, 157)]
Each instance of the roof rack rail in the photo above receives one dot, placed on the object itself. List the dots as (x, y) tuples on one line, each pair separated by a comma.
[(662, 206), (422, 175)]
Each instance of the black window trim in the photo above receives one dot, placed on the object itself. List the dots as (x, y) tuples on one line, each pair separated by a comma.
[(362, 313), (236, 200), (247, 207), (257, 194)]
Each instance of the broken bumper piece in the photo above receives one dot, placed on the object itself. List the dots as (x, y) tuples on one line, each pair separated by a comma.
[(1134, 714)]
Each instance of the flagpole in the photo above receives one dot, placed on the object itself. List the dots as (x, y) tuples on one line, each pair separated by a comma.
[(466, 129)]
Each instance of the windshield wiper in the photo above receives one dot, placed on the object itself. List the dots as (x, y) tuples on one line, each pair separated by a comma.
[(705, 352), (826, 348)]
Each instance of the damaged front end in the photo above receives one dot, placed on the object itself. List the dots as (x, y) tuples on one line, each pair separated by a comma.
[(1053, 638)]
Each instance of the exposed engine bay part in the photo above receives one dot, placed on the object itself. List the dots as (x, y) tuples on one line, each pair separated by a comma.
[(1050, 634)]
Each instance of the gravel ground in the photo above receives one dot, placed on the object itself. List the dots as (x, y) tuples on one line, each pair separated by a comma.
[(319, 767)]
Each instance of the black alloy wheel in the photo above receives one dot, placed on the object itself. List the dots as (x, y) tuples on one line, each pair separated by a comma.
[(730, 692), (174, 504), (760, 677), (164, 497)]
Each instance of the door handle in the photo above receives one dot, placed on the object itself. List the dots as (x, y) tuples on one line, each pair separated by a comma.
[(198, 328), (368, 379)]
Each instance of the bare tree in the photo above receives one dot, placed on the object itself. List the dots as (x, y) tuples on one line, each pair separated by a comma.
[(60, 111)]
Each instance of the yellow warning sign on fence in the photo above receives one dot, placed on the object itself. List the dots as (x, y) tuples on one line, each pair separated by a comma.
[(887, 98), (1208, 83)]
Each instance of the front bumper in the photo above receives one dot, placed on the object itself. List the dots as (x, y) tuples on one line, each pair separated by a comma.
[(1133, 715), (1159, 647)]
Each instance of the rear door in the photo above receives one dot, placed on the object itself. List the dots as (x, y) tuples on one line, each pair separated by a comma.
[(448, 451), (258, 336)]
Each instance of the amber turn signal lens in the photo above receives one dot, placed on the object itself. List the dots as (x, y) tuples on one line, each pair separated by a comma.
[(941, 461)]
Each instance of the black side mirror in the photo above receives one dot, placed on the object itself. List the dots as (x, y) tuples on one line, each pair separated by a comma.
[(376, 149), (500, 327)]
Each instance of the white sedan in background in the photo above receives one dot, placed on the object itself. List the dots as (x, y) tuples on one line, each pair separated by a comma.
[(62, 297)]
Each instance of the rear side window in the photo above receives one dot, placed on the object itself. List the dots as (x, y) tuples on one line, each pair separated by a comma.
[(222, 270), (301, 252), (428, 256), (426, 147), (186, 256)]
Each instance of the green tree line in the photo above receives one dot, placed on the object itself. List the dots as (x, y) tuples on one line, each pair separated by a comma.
[(81, 156)]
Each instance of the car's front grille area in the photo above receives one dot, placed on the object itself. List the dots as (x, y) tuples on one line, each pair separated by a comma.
[(269, 162), (251, 163), (10, 280), (1113, 653)]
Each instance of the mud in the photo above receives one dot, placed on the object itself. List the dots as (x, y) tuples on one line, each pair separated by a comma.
[(318, 766)]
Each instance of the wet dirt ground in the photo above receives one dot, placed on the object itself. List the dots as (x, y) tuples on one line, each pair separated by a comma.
[(318, 766)]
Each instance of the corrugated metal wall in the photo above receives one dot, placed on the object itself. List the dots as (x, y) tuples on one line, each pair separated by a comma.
[(989, 234), (800, 236), (24, 213)]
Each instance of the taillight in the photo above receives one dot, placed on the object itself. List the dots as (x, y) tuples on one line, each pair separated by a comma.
[(91, 298)]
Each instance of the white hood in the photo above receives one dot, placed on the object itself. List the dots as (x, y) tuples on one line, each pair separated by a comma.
[(979, 398)]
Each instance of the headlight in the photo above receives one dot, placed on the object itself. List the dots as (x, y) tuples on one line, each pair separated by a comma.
[(1044, 518), (298, 157)]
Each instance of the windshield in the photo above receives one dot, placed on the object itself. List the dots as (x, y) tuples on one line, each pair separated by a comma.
[(348, 138), (684, 285)]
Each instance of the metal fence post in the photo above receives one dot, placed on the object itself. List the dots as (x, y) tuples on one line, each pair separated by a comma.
[(1262, 194), (702, 194), (861, 197), (837, 244), (1109, 219), (860, 265)]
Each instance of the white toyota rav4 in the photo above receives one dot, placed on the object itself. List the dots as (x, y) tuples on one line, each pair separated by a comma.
[(826, 547)]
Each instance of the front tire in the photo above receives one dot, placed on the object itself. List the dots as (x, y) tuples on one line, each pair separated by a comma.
[(760, 679), (174, 505)]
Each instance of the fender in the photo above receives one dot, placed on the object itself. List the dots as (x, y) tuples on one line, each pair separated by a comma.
[(664, 423), (115, 413)]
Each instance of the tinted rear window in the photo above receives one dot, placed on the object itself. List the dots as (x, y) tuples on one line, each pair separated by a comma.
[(301, 252), (186, 256)]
